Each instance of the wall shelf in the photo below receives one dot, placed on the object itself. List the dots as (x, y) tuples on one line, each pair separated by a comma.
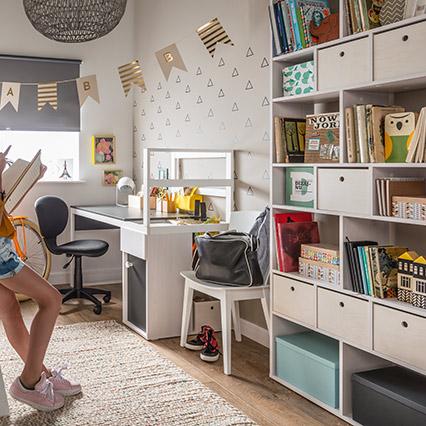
[(406, 87)]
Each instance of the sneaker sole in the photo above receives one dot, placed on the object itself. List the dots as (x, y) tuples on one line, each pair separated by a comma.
[(209, 358), (193, 347), (35, 405), (68, 392)]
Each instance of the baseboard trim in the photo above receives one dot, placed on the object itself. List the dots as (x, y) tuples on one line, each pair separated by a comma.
[(254, 332), (91, 277)]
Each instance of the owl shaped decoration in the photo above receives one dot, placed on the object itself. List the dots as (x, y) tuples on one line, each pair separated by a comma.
[(399, 131)]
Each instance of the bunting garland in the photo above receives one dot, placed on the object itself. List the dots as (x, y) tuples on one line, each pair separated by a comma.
[(131, 73), (10, 92), (211, 34), (47, 93), (87, 87)]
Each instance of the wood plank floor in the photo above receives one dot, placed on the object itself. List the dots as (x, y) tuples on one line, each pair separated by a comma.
[(249, 388)]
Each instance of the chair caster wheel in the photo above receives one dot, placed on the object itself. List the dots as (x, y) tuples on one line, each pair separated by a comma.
[(107, 298), (97, 309)]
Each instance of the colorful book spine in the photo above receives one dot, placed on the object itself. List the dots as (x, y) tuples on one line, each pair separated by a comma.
[(300, 25), (320, 254), (296, 31), (280, 26), (306, 33), (285, 15)]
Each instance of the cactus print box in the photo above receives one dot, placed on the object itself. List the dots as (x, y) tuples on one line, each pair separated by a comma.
[(298, 79)]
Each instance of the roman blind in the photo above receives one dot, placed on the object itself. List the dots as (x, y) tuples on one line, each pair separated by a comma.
[(41, 70)]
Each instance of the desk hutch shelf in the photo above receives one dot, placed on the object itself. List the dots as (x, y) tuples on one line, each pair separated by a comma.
[(382, 67)]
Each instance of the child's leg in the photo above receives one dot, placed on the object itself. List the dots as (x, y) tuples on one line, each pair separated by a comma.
[(13, 324), (49, 301)]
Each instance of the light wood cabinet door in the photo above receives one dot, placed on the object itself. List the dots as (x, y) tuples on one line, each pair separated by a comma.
[(294, 299), (344, 190), (400, 335), (344, 65), (400, 52), (344, 316)]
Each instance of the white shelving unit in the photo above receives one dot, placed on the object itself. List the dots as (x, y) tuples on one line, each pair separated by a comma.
[(353, 69)]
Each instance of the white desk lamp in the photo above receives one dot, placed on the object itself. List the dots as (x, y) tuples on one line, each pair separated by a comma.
[(125, 187)]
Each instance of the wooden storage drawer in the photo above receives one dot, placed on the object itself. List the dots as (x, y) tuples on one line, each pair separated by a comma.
[(400, 335), (294, 299), (132, 242), (344, 65), (344, 190), (399, 52), (344, 316)]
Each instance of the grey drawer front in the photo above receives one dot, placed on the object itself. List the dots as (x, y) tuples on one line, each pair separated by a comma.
[(136, 283)]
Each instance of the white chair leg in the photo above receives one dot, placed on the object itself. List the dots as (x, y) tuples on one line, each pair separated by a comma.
[(236, 320), (4, 406), (265, 307), (186, 313), (225, 313)]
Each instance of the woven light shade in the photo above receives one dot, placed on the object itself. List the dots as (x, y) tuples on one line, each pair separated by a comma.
[(74, 21)]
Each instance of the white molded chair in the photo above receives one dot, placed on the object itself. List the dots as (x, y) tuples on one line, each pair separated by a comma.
[(228, 296)]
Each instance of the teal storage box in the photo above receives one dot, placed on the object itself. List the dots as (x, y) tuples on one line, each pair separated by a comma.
[(310, 362)]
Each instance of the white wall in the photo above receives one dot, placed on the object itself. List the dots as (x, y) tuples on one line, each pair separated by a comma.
[(112, 116), (163, 22)]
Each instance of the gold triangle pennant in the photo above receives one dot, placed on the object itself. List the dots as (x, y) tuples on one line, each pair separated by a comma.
[(131, 73), (213, 33), (47, 93)]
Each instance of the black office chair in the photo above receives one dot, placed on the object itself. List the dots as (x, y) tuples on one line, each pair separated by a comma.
[(52, 214)]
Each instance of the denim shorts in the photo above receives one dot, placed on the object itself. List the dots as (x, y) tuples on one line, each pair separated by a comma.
[(10, 263)]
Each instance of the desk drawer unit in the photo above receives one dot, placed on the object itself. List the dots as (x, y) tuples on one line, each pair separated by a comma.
[(344, 190), (344, 316), (132, 242), (400, 335), (344, 65), (294, 299), (400, 52)]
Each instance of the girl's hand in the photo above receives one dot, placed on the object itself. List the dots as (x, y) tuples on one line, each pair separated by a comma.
[(3, 160)]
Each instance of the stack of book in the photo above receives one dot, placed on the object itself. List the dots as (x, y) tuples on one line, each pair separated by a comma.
[(409, 207), (289, 139), (291, 231), (364, 15), (373, 269), (320, 262), (374, 135), (391, 191), (292, 22), (313, 139)]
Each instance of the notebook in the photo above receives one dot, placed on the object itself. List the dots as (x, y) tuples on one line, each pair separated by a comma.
[(18, 179)]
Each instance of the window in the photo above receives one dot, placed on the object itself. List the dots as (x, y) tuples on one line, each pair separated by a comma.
[(57, 148), (55, 132), (420, 286), (405, 282)]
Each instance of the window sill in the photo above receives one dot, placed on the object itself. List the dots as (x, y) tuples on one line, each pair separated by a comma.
[(62, 181)]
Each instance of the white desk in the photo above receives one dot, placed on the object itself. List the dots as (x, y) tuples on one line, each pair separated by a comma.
[(152, 257)]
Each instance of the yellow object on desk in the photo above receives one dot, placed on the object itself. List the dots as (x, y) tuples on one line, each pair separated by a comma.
[(187, 202)]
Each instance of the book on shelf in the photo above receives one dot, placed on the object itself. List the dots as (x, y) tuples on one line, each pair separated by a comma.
[(280, 218), (390, 187), (325, 253), (365, 132), (399, 132), (356, 256), (409, 207), (385, 261), (291, 22), (292, 236), (289, 137), (322, 138), (416, 150)]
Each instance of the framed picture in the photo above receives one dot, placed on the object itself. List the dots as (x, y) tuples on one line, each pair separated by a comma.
[(111, 177), (103, 150)]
